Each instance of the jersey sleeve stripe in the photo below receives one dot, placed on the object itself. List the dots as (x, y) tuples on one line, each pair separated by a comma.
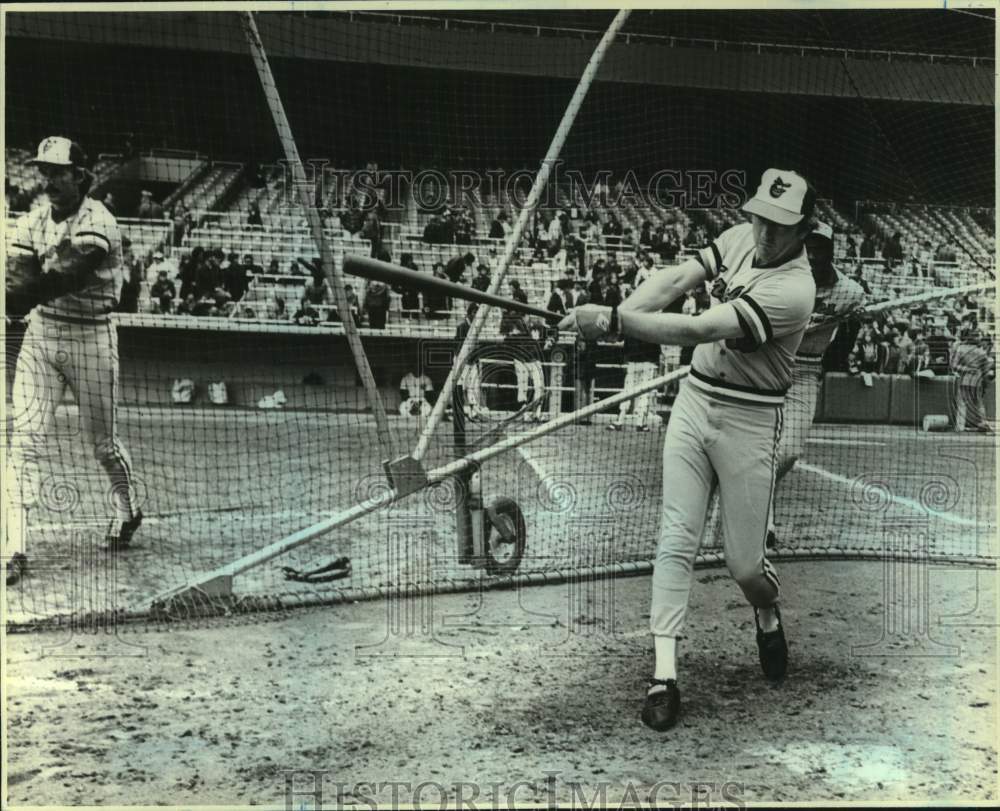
[(765, 321), (717, 256), (748, 330), (102, 237), (750, 319), (22, 247)]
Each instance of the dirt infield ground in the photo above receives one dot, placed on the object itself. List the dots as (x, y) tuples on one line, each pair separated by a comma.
[(529, 696)]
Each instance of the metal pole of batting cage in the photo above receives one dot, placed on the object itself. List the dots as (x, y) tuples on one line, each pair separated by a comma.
[(330, 270), (519, 228)]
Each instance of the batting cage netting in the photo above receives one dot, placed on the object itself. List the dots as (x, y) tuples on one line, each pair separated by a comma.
[(292, 434)]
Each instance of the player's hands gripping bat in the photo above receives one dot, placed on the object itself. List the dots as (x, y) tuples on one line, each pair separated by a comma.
[(591, 321)]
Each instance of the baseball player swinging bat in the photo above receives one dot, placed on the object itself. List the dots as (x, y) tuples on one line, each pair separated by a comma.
[(397, 275)]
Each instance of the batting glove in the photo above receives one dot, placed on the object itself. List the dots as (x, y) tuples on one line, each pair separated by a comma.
[(591, 321)]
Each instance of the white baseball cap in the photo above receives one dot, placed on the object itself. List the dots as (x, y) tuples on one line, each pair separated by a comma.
[(59, 151), (783, 197)]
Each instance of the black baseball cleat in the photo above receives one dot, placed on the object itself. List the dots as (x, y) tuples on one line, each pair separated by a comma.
[(662, 706), (773, 649), (16, 567), (120, 533)]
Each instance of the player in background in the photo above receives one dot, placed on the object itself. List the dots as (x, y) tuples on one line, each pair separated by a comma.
[(65, 256), (725, 426), (837, 296), (413, 391)]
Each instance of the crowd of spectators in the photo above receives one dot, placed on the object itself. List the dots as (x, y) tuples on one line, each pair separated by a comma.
[(916, 341)]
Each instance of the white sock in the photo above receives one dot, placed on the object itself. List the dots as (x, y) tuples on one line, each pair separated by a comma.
[(768, 619), (666, 657)]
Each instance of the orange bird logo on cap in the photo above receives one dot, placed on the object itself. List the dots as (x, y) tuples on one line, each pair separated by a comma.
[(779, 187)]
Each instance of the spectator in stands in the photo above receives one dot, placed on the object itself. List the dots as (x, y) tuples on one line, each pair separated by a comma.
[(209, 277), (628, 239), (273, 268), (409, 298), (517, 293), (645, 271), (612, 231), (867, 250), (237, 278), (892, 252), (306, 315), (497, 230), (276, 309), (576, 253), (433, 233), (186, 305), (457, 267), (945, 253), (554, 235), (582, 294), (254, 220), (297, 269), (449, 227), (696, 237), (611, 295), (373, 231), (182, 223), (465, 227), (253, 268), (646, 235), (483, 278), (149, 209), (556, 303), (435, 304), (850, 248), (628, 274), (905, 348), (110, 203), (920, 362), (189, 271), (317, 292), (612, 266), (869, 352), (158, 264), (163, 292), (925, 261), (376, 302), (597, 273)]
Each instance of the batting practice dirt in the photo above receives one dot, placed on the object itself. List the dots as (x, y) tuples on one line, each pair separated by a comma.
[(530, 696)]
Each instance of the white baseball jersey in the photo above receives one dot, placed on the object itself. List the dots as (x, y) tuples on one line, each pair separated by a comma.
[(91, 224), (415, 386), (773, 304)]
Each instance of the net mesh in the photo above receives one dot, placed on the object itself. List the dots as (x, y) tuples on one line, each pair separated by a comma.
[(239, 414)]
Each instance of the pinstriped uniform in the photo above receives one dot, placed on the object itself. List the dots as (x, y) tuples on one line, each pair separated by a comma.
[(726, 424), (70, 341)]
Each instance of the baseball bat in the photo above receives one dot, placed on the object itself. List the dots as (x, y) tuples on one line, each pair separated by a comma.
[(397, 275)]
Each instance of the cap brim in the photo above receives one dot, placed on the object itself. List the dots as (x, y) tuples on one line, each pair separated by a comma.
[(37, 162), (770, 212)]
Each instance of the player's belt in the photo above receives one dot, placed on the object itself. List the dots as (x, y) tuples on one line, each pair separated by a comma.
[(746, 395), (100, 318), (808, 358)]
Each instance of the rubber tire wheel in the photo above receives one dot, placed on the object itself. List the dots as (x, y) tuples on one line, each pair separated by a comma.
[(508, 565)]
